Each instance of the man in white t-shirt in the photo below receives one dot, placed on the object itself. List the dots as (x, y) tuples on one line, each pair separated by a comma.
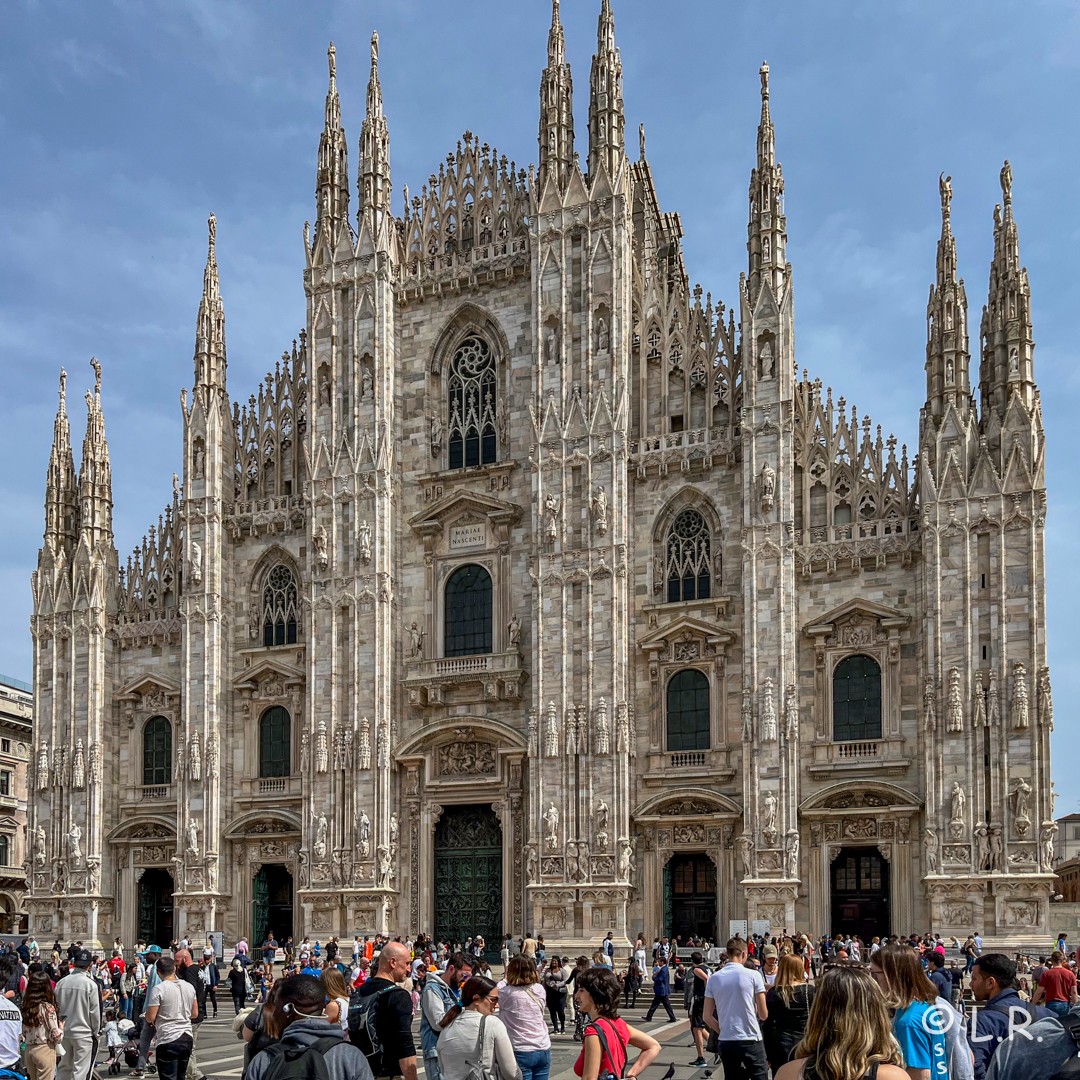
[(170, 1008), (734, 1009)]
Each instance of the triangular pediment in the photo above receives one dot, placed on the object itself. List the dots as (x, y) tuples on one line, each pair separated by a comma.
[(271, 672), (148, 686), (450, 507), (686, 628), (856, 609)]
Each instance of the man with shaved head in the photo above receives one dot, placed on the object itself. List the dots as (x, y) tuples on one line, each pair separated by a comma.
[(396, 1054)]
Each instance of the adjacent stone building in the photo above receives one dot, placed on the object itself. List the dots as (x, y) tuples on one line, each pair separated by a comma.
[(535, 589), (16, 716)]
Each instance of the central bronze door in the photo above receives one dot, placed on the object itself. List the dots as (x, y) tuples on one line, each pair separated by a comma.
[(468, 876)]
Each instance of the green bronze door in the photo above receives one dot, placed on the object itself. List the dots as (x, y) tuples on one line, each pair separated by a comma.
[(260, 907), (468, 876)]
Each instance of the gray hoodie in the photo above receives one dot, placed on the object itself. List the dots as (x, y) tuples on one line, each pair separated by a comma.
[(343, 1062)]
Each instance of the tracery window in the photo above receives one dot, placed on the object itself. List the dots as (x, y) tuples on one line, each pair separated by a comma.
[(688, 558), (275, 728), (857, 699), (688, 711), (279, 614), (468, 612), (471, 404), (157, 752)]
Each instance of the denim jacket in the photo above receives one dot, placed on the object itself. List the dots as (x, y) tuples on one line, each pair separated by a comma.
[(447, 999)]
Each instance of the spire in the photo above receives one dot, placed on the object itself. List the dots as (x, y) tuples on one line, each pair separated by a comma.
[(767, 234), (1007, 341), (948, 361), (556, 108), (95, 475), (210, 323), (374, 169), (61, 486), (607, 121), (332, 182)]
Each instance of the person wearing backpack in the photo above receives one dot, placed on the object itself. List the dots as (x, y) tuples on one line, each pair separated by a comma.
[(1047, 1050), (607, 1036), (380, 1016), (310, 1047)]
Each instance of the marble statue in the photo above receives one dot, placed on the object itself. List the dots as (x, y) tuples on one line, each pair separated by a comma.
[(603, 338), (363, 752), (321, 827), (996, 850), (626, 860), (957, 801), (600, 511), (318, 542), (195, 563), (551, 518), (75, 844), (791, 854), (978, 703), (982, 846), (193, 836), (394, 829), (791, 713), (386, 866), (551, 826), (39, 846), (955, 709), (745, 846), (930, 847), (1020, 800), (78, 767), (532, 865), (768, 487), (600, 818), (603, 729), (322, 748), (195, 756), (363, 834), (1049, 828), (416, 641), (513, 631), (363, 542), (772, 806), (43, 766)]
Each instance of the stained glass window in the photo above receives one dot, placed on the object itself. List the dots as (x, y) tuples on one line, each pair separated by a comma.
[(279, 616), (688, 562), (472, 401)]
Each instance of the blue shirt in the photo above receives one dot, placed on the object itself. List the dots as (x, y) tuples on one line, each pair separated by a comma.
[(921, 1039)]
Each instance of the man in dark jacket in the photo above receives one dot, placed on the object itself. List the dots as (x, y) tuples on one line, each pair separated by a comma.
[(298, 1011), (1002, 1011), (661, 982)]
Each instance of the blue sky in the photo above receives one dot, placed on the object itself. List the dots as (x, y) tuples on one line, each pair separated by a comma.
[(124, 122)]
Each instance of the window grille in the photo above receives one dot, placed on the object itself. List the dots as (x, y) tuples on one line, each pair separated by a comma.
[(471, 404)]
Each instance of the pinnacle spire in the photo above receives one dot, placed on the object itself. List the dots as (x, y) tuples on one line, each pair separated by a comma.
[(332, 181), (607, 120), (374, 168), (556, 108), (95, 475), (61, 487), (1007, 336), (767, 240), (948, 361), (210, 322)]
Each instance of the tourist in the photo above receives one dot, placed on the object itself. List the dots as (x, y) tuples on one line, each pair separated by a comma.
[(661, 981), (1057, 986), (439, 1007), (697, 978), (770, 960), (899, 973), (477, 1042), (337, 998), (78, 1002), (1045, 1049), (580, 965), (734, 1009), (848, 1035), (631, 984), (238, 984), (257, 1026), (41, 1029), (941, 979), (607, 1036), (555, 991), (607, 947), (788, 1003), (171, 1008), (993, 984), (296, 1007), (396, 1052), (522, 1001)]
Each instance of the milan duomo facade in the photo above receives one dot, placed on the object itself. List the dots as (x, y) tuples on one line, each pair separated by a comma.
[(534, 590)]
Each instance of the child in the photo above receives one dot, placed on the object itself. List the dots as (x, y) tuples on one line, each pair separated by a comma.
[(113, 1040)]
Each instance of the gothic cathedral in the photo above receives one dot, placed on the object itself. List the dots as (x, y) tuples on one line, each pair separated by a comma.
[(534, 590)]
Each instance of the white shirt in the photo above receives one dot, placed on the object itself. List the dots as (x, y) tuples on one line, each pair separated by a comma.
[(639, 956), (734, 991), (10, 1032), (458, 1041), (174, 999)]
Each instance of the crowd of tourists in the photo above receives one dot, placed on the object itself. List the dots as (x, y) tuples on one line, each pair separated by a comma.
[(783, 1007)]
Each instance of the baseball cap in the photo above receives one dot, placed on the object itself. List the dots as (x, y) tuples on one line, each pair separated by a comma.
[(769, 950), (82, 958), (153, 949)]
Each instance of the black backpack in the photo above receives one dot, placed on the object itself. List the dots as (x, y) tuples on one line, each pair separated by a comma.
[(363, 1029), (299, 1062), (1070, 1069)]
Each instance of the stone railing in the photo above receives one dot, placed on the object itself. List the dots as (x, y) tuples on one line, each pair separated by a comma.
[(681, 448), (484, 677), (688, 759)]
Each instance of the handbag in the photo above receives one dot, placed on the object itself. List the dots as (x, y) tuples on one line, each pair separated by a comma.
[(478, 1070)]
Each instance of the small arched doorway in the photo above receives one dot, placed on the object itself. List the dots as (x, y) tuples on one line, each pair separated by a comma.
[(272, 904), (468, 876), (156, 907), (860, 893), (690, 897)]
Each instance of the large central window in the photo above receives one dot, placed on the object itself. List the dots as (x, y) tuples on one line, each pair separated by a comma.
[(688, 558), (857, 699), (275, 727), (688, 711), (157, 752), (468, 612), (471, 392)]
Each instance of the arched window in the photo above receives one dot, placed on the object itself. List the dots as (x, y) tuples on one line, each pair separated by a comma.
[(468, 612), (279, 607), (857, 699), (688, 558), (5, 850), (157, 752), (471, 405), (688, 711), (275, 727)]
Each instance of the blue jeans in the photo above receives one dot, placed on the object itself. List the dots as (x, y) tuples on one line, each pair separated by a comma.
[(534, 1064), (1059, 1008)]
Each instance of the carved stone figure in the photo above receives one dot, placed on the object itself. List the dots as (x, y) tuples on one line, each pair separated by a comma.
[(767, 487), (199, 463), (363, 542), (211, 872), (321, 826), (195, 756), (195, 563), (982, 846), (322, 748), (978, 703), (1020, 800), (993, 703), (192, 836), (532, 865), (78, 767), (95, 764), (956, 703), (43, 766), (929, 705), (551, 518), (513, 631), (551, 731), (386, 867), (363, 834), (75, 852), (745, 847), (339, 749), (600, 511), (1046, 837), (603, 729), (303, 870), (551, 345), (59, 881), (996, 847), (747, 713), (767, 359), (39, 846), (931, 851), (791, 712), (957, 801), (1020, 697), (305, 749), (768, 711), (382, 745), (367, 384), (772, 807), (364, 747), (600, 817), (603, 338), (551, 827), (318, 542), (791, 854), (1045, 701), (435, 434), (394, 827), (348, 754), (626, 860), (416, 641)]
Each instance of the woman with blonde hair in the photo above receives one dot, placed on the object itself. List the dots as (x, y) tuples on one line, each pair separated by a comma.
[(522, 1001), (848, 1036), (788, 1001), (917, 1023), (337, 998)]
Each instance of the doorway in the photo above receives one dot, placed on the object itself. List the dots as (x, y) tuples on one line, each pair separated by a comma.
[(272, 904), (468, 876), (860, 893), (156, 907), (690, 882)]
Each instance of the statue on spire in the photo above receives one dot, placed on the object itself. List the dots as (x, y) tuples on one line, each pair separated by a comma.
[(763, 71), (211, 225), (641, 140), (1006, 181), (63, 389), (375, 48), (945, 187), (331, 56), (95, 363)]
